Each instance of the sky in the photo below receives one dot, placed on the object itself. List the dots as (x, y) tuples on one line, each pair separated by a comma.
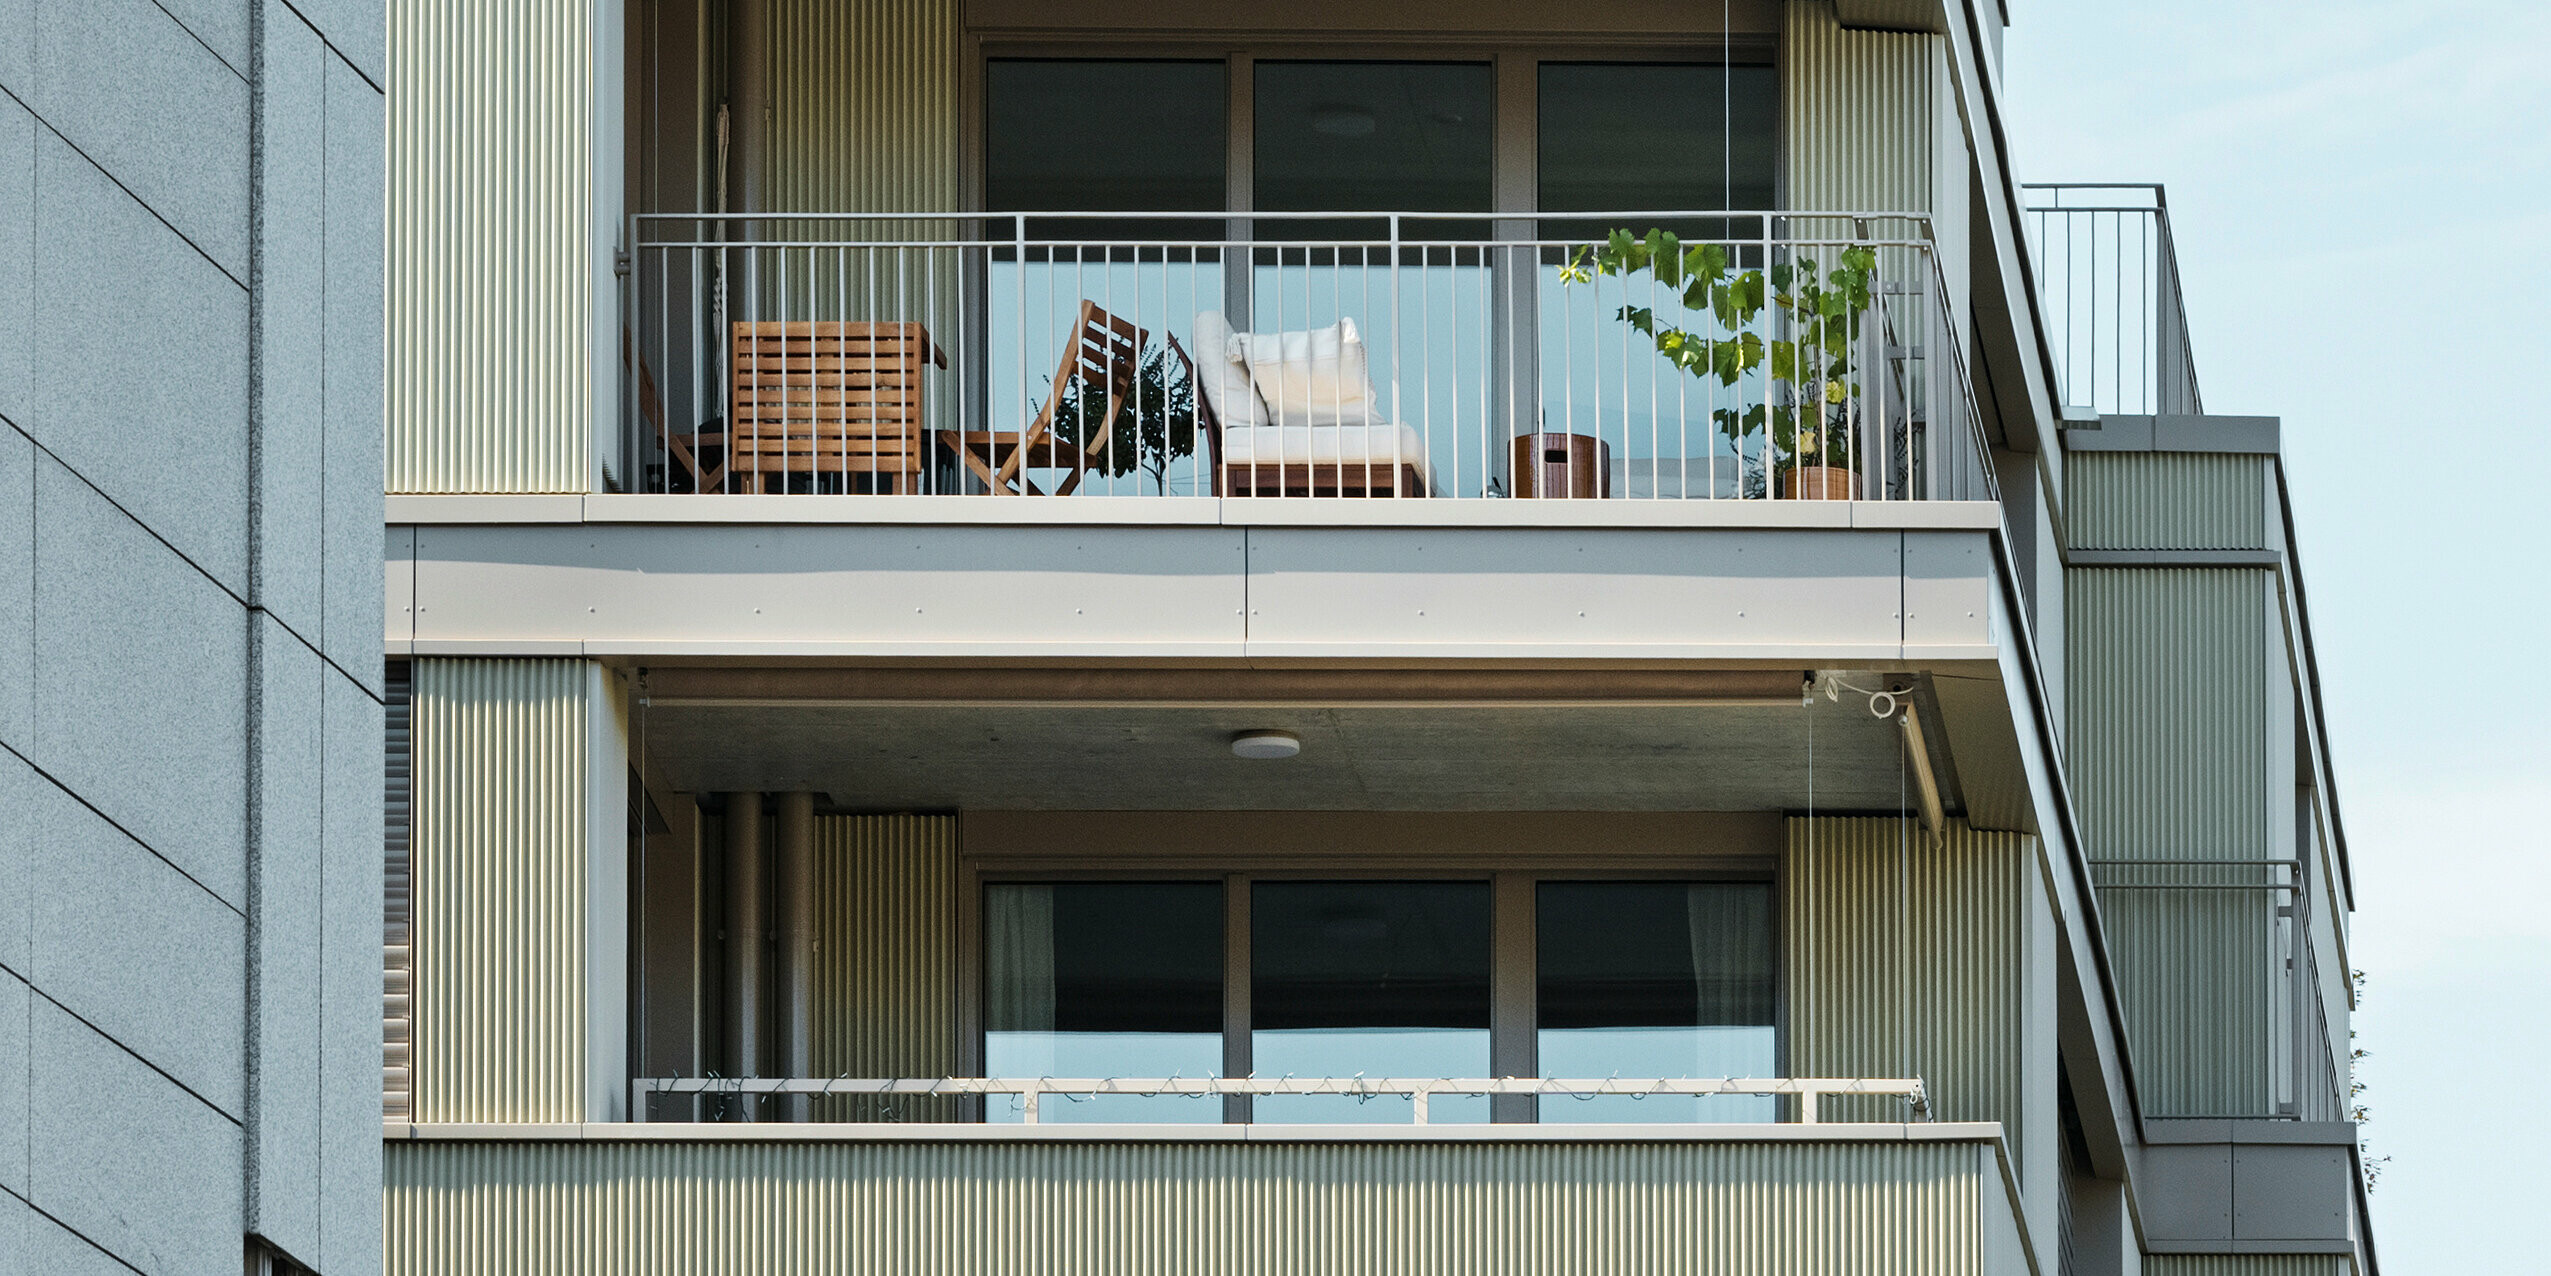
[(2361, 197)]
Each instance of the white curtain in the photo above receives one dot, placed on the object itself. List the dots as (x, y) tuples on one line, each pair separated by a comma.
[(1018, 956)]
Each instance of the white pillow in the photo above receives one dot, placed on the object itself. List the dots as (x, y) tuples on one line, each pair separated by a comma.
[(1223, 379), (1311, 378)]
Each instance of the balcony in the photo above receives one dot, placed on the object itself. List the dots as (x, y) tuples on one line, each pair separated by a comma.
[(1749, 358), (648, 1199)]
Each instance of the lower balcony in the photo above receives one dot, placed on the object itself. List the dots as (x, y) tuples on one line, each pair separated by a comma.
[(1934, 1200)]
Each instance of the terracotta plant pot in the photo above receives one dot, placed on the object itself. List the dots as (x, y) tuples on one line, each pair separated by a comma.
[(1820, 483)]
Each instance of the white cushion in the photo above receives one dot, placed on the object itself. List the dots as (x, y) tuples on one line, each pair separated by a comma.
[(1381, 446), (1224, 379), (1319, 377)]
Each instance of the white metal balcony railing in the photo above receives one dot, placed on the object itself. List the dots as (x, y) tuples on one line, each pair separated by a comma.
[(2108, 284), (1807, 1090), (1807, 355)]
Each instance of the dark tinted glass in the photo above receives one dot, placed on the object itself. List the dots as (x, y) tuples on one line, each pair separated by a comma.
[(1619, 136), (1105, 979), (1656, 980), (1106, 136), (1388, 136), (1387, 979)]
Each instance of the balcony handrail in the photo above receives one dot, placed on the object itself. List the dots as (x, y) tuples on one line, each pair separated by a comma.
[(888, 365), (1809, 1090), (2145, 332)]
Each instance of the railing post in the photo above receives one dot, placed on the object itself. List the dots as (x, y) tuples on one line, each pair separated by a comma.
[(1029, 1107), (1417, 1099), (1807, 1114)]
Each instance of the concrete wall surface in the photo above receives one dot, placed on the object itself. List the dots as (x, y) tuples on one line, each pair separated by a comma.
[(190, 722)]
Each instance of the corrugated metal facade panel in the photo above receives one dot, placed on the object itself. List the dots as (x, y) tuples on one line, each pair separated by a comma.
[(1856, 112), (499, 883), (866, 108), (396, 904), (1131, 1209), (2166, 711), (1910, 958), (2166, 500), (2246, 1265), (2167, 741), (886, 977), (491, 252)]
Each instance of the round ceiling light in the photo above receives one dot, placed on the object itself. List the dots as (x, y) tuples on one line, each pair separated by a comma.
[(1343, 121), (1266, 744)]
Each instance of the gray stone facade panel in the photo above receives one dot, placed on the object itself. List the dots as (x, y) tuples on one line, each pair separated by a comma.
[(291, 451), (144, 99), (165, 435), (17, 250), (285, 886), (141, 669), (125, 1158), (15, 1012), (353, 376), (350, 1158), (142, 954), (17, 589)]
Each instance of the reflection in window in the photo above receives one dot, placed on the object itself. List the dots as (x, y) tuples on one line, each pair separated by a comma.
[(1656, 137), (1386, 136), (1104, 979), (1656, 979), (1385, 979), (1104, 137)]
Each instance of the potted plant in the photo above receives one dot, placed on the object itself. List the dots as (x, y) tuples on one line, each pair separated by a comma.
[(1808, 422)]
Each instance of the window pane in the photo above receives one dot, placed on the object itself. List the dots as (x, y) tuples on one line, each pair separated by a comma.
[(1656, 137), (1656, 979), (1104, 979), (1387, 136), (1106, 136), (1387, 979)]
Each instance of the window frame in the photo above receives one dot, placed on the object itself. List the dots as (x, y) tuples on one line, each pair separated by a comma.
[(1514, 967), (1515, 68)]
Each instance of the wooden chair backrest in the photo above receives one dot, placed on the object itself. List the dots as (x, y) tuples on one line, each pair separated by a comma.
[(830, 396)]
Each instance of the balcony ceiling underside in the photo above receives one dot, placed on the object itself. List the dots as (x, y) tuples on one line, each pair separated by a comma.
[(1407, 757)]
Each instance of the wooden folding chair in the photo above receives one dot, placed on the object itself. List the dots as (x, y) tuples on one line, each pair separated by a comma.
[(1104, 353), (827, 397)]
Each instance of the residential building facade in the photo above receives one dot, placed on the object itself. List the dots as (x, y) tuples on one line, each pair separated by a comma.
[(190, 694), (1356, 637)]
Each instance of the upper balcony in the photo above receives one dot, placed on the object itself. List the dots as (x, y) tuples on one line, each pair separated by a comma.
[(1750, 357)]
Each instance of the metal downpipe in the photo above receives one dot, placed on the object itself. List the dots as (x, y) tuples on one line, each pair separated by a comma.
[(793, 977), (745, 930)]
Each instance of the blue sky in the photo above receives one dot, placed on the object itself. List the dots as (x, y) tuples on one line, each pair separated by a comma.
[(2362, 199)]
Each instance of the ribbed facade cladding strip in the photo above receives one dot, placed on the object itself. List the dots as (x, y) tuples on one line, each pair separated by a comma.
[(886, 975), (499, 865), (2166, 500), (2197, 971), (1132, 1209), (867, 113), (491, 248), (2166, 711), (1857, 111), (1909, 957), (2246, 1265)]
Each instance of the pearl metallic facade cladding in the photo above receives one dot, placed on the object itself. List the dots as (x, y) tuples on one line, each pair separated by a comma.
[(866, 108), (2168, 745), (2246, 1265), (886, 984), (2167, 500), (1906, 957), (1131, 1209), (492, 249), (1856, 112), (499, 879)]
